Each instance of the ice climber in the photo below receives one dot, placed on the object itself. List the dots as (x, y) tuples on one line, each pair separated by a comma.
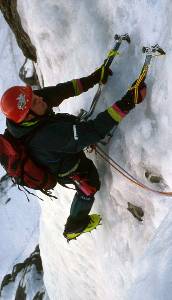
[(57, 141)]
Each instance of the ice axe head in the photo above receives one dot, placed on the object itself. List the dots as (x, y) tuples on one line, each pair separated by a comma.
[(153, 50), (123, 37)]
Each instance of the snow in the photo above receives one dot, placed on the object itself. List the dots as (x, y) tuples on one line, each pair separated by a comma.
[(123, 259)]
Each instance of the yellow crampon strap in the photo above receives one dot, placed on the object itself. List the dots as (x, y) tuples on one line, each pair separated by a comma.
[(138, 82), (111, 53)]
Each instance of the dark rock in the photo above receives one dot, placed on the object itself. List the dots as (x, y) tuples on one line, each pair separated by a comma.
[(26, 280), (9, 11), (136, 211)]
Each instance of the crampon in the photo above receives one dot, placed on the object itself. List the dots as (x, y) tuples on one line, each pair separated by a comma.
[(95, 220)]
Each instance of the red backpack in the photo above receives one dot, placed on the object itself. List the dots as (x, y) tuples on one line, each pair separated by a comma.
[(19, 165)]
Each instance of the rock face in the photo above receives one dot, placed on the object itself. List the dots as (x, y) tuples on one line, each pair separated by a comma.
[(9, 10), (26, 280), (5, 185)]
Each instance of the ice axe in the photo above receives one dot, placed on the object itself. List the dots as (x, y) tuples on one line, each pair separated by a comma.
[(84, 115), (150, 52)]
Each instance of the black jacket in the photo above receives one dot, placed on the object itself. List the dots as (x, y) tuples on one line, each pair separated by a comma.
[(57, 141)]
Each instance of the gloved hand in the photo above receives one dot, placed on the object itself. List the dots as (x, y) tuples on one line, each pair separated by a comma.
[(122, 107), (142, 88), (103, 73), (128, 100)]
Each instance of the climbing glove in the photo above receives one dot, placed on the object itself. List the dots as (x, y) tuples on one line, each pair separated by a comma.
[(122, 107), (138, 97), (103, 73), (129, 100)]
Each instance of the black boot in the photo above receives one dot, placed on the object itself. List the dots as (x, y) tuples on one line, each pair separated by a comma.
[(75, 229), (74, 225)]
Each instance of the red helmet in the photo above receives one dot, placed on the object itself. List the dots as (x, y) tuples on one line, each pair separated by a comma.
[(16, 103)]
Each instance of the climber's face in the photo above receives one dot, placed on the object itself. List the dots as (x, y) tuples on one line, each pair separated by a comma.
[(39, 107)]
